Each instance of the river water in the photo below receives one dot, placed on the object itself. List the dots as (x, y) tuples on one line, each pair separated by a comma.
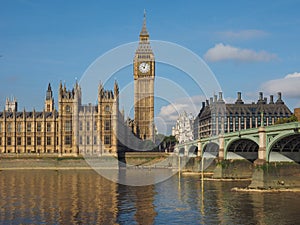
[(84, 197)]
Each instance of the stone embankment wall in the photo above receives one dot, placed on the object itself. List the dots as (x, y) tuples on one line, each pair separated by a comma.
[(276, 175)]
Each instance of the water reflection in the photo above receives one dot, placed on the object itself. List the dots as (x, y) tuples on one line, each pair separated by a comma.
[(84, 197)]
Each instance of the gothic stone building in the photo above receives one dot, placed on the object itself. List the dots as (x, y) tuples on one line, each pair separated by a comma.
[(184, 128), (144, 74), (83, 129), (216, 116), (73, 129)]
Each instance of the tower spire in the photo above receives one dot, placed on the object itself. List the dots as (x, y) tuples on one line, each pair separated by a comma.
[(144, 31)]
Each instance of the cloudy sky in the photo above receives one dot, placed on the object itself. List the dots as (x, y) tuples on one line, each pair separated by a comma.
[(250, 46)]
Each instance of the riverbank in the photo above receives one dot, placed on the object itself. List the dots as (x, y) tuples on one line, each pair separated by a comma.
[(270, 190), (54, 162)]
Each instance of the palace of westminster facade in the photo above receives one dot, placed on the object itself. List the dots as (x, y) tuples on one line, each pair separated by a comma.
[(83, 129)]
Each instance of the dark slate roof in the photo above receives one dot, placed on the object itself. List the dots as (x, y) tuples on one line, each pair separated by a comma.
[(275, 109)]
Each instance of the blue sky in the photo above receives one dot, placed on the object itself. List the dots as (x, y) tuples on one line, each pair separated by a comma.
[(250, 46)]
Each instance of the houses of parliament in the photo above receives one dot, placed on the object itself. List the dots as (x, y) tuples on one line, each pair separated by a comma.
[(75, 128)]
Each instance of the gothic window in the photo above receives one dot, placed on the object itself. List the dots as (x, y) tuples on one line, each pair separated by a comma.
[(68, 125), (67, 140), (0, 127), (48, 140), (80, 140), (87, 126), (28, 140), (95, 125), (48, 127), (87, 140), (8, 140), (9, 127), (107, 139), (28, 127), (80, 126), (107, 125), (107, 108), (38, 141), (19, 140), (38, 127), (19, 127), (95, 140), (0, 141)]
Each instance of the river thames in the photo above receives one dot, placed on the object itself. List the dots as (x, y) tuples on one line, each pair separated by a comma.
[(84, 197)]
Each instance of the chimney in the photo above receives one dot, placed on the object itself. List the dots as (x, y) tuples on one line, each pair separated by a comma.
[(220, 96), (215, 98), (239, 98), (265, 100), (271, 99), (207, 102), (279, 95), (211, 101), (261, 96), (279, 100), (203, 104)]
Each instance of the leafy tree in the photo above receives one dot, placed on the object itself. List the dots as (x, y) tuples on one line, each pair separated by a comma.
[(290, 119)]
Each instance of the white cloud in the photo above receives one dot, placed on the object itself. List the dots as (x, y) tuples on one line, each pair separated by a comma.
[(222, 52), (293, 75), (242, 34), (289, 85), (169, 114)]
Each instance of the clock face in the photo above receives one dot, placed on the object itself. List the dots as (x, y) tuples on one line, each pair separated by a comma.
[(144, 67)]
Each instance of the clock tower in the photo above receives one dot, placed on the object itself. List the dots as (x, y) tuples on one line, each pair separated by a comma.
[(144, 74)]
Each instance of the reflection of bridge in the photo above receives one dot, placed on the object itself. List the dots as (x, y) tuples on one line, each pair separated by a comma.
[(264, 144)]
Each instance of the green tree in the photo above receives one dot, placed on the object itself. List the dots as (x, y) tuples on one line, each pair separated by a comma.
[(290, 119)]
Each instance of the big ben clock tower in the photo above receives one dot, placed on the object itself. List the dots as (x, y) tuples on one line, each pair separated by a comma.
[(144, 73)]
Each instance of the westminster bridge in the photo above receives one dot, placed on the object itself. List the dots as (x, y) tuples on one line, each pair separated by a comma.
[(264, 144)]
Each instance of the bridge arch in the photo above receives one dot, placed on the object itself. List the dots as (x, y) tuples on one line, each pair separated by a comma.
[(181, 151), (284, 147), (193, 150), (211, 149), (242, 148)]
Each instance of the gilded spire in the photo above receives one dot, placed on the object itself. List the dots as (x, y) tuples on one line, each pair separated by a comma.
[(144, 31)]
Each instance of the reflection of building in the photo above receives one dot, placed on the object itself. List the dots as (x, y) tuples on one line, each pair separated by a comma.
[(144, 73), (216, 117), (183, 130), (64, 197), (73, 129)]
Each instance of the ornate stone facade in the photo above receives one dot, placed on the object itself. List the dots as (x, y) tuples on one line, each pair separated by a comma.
[(84, 129), (144, 74), (184, 128), (73, 129)]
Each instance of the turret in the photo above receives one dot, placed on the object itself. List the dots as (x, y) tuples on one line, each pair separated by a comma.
[(11, 105), (49, 101)]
